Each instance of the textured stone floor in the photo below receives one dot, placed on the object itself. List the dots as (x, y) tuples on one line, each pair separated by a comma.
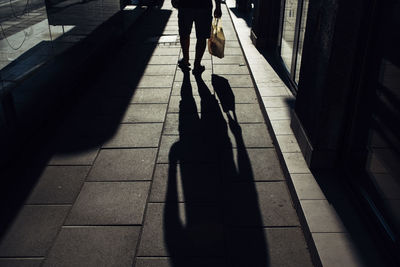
[(156, 167)]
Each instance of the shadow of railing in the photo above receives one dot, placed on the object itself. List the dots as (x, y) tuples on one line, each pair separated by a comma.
[(212, 174)]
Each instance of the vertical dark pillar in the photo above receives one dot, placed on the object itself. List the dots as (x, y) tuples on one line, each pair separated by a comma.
[(243, 5), (265, 28), (328, 67)]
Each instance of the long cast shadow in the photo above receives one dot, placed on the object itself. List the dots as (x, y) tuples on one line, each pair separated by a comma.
[(204, 173), (88, 116)]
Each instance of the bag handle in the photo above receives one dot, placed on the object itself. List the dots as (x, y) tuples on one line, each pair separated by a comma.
[(215, 24), (216, 21)]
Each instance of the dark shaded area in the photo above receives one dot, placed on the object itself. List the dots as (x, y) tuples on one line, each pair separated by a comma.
[(70, 58), (344, 109), (341, 197), (83, 117), (246, 13), (225, 94), (205, 226)]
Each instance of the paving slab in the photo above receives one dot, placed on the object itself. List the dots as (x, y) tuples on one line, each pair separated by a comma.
[(295, 162), (279, 114), (277, 101), (173, 124), (288, 143), (181, 230), (145, 113), (238, 80), (15, 262), (255, 164), (58, 185), (167, 51), (206, 56), (206, 75), (123, 165), (253, 135), (281, 127), (172, 262), (232, 51), (249, 113), (148, 81), (244, 95), (188, 105), (268, 247), (109, 203), (307, 187), (259, 204), (322, 217), (230, 59), (100, 105), (132, 135), (81, 127), (185, 183), (146, 96), (163, 59), (193, 149), (81, 155), (159, 70), (167, 144), (33, 231), (177, 87), (94, 246), (231, 69)]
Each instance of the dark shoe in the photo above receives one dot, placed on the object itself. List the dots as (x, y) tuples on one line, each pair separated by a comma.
[(197, 70), (183, 64)]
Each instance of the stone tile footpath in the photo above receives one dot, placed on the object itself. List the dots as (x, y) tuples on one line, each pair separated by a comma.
[(156, 167)]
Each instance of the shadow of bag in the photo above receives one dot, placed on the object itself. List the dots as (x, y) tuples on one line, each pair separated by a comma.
[(216, 42)]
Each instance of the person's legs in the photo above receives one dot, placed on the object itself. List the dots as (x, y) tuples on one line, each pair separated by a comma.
[(185, 21), (185, 43), (203, 26), (200, 48)]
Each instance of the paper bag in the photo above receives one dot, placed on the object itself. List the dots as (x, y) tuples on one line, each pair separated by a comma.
[(216, 42)]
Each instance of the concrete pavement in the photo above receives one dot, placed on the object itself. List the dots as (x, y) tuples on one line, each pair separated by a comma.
[(152, 166)]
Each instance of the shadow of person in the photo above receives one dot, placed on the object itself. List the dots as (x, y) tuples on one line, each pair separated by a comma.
[(192, 223), (225, 94), (197, 226), (247, 237), (243, 223)]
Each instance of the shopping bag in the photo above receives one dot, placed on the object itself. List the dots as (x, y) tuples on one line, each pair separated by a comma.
[(216, 42)]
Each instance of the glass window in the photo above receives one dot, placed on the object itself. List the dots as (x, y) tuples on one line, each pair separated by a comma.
[(288, 32), (293, 30), (301, 39)]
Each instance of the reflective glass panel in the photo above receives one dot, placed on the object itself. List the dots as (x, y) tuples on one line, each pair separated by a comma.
[(301, 39), (288, 32)]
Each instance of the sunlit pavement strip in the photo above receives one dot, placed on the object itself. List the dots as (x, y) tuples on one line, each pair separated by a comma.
[(333, 243)]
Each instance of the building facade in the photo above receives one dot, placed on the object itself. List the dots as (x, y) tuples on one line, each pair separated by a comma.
[(341, 60)]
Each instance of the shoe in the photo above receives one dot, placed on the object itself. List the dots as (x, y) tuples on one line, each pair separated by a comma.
[(198, 70), (182, 64)]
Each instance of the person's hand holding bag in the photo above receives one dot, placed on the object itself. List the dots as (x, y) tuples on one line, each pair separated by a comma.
[(216, 42), (217, 11)]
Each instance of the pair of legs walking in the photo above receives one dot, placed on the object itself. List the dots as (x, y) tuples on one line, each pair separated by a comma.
[(202, 21), (200, 48)]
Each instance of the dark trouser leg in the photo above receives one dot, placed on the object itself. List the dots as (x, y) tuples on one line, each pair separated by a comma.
[(200, 48), (185, 42)]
